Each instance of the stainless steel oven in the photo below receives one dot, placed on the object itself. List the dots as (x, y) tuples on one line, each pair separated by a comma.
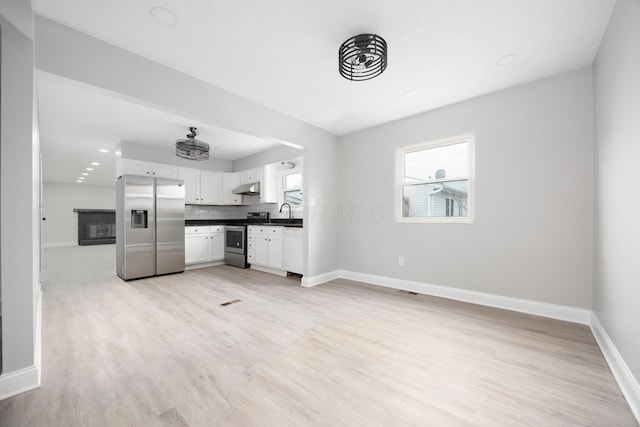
[(235, 245), (235, 240)]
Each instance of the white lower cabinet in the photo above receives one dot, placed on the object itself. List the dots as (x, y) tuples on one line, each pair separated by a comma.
[(196, 245), (203, 244), (216, 244), (275, 252), (264, 247)]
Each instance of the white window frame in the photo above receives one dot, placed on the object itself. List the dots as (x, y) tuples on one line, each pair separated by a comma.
[(471, 155), (281, 186)]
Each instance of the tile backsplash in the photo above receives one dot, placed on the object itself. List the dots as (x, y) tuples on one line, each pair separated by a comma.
[(236, 212)]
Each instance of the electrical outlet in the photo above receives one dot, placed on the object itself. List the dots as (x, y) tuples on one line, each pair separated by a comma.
[(400, 260)]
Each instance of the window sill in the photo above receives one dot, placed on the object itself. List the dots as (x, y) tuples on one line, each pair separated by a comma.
[(414, 220)]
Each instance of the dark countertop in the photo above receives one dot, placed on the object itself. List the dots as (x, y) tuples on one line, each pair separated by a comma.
[(296, 222)]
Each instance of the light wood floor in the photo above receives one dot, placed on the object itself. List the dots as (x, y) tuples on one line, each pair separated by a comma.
[(163, 352)]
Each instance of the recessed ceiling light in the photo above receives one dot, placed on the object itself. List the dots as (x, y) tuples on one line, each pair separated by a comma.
[(81, 177), (89, 169), (163, 16), (506, 60), (102, 150), (79, 180), (411, 92), (95, 163), (85, 174)]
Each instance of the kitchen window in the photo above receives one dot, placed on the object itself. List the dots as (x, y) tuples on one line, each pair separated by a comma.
[(435, 181), (291, 185)]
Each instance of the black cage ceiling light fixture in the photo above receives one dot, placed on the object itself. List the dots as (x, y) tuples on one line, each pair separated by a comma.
[(192, 149), (362, 57)]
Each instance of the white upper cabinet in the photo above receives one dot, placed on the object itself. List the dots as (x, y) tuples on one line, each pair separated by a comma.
[(191, 178), (230, 180), (164, 171), (251, 176), (269, 184), (201, 187), (267, 177), (137, 167), (210, 187)]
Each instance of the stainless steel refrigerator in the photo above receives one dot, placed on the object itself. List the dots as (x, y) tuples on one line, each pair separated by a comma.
[(149, 226)]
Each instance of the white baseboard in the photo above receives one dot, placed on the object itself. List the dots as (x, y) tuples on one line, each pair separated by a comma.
[(203, 265), (38, 334), (308, 282), (554, 311), (19, 381), (269, 270), (28, 378), (59, 244), (627, 382)]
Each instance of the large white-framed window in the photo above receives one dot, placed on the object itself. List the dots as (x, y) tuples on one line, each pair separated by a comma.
[(435, 181)]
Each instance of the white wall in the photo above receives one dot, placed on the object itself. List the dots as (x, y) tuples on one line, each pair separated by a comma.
[(140, 80), (130, 150), (616, 300), (58, 202), (532, 237), (20, 14), (19, 199), (273, 155)]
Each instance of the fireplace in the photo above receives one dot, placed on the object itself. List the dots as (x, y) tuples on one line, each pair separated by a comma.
[(96, 226)]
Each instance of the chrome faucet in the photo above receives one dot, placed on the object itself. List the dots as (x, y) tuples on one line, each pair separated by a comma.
[(282, 206)]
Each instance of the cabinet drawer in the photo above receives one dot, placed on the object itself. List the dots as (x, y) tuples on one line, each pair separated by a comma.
[(270, 230), (216, 229), (196, 230)]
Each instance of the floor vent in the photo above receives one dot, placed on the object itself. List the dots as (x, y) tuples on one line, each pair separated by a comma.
[(224, 304), (408, 292)]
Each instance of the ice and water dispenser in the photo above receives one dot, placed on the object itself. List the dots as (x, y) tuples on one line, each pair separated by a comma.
[(139, 218)]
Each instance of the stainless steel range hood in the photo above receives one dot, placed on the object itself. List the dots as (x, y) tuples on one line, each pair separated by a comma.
[(252, 189)]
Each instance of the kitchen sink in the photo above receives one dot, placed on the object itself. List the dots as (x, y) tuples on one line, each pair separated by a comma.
[(285, 223)]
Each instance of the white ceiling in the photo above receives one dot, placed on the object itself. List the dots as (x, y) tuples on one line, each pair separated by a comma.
[(77, 121), (283, 53)]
